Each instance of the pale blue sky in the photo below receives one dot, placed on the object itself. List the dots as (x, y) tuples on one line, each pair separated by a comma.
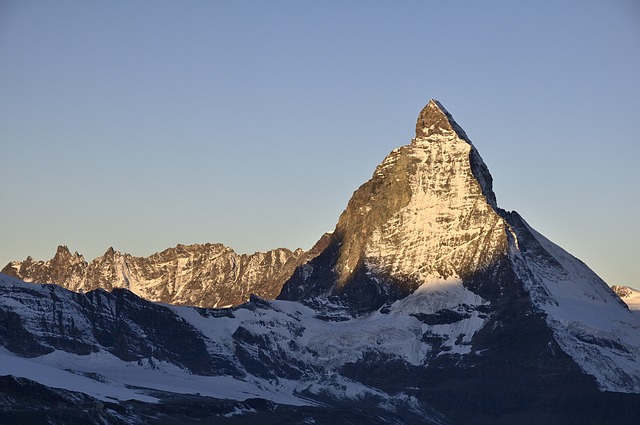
[(144, 124)]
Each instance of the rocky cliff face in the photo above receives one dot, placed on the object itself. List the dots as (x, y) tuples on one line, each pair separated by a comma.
[(210, 275)]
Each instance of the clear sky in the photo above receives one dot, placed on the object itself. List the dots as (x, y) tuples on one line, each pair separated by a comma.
[(144, 124)]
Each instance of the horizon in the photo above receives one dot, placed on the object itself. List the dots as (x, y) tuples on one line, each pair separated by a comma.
[(147, 125)]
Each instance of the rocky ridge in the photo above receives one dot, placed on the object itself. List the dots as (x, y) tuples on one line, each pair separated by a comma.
[(209, 275)]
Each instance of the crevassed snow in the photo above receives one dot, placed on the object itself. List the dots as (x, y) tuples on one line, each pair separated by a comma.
[(325, 345), (440, 294), (332, 344)]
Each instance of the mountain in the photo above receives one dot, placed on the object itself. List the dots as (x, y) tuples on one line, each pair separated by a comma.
[(428, 304), (428, 214), (630, 296), (209, 275)]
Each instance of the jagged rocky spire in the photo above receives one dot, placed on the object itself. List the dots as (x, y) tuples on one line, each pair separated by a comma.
[(427, 213)]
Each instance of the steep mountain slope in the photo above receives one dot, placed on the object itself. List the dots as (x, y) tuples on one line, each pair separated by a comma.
[(210, 275), (427, 305)]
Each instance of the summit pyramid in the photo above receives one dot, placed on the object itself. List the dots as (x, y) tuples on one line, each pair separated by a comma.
[(428, 214)]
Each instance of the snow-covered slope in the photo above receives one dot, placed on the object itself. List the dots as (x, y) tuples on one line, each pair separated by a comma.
[(588, 319), (297, 341), (114, 347)]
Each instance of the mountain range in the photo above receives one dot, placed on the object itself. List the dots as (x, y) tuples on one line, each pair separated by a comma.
[(209, 275), (428, 304)]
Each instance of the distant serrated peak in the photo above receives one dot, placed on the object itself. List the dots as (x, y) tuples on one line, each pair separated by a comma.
[(63, 250)]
